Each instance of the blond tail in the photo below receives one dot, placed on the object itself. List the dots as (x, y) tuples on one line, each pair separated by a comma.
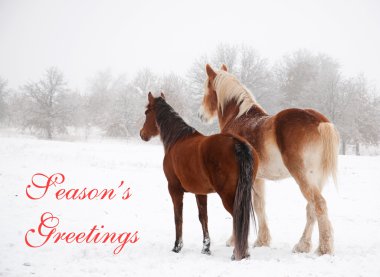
[(330, 140)]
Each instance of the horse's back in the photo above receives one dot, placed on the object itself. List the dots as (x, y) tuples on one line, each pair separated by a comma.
[(296, 116)]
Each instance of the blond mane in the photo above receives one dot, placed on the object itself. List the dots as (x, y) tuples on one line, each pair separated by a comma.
[(228, 88)]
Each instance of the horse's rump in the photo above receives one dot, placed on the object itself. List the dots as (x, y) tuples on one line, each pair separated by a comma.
[(219, 158), (307, 140)]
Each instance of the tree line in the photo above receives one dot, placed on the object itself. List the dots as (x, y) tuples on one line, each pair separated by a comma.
[(115, 105)]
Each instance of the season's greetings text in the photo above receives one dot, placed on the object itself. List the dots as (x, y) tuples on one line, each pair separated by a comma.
[(48, 228)]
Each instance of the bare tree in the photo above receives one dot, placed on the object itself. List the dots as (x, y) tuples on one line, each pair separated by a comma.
[(3, 103), (177, 93), (46, 109), (302, 79), (255, 74), (196, 76), (226, 54), (253, 70), (244, 62), (99, 97), (361, 116), (307, 80), (145, 81), (295, 75), (104, 102)]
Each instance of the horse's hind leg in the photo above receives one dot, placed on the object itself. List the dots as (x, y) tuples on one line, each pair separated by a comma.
[(316, 209), (326, 239), (231, 241), (304, 245), (228, 203), (202, 214), (263, 238), (176, 192)]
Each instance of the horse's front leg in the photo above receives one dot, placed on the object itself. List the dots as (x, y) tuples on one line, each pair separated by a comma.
[(263, 237), (176, 192), (202, 214)]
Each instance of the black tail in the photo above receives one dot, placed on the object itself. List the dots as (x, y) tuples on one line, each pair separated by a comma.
[(243, 208)]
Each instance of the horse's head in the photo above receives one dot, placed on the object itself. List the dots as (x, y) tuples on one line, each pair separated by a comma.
[(209, 107), (150, 128)]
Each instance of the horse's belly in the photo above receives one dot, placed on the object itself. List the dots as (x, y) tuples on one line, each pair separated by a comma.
[(193, 178), (271, 165), (193, 187), (273, 171)]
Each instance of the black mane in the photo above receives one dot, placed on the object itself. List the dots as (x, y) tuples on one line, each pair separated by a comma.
[(172, 126)]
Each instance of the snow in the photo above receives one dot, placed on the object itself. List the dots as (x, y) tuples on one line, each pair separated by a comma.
[(354, 211)]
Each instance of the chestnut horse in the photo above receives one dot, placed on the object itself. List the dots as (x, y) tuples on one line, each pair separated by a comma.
[(301, 143), (204, 164)]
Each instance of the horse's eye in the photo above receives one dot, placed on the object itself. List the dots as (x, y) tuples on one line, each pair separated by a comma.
[(146, 112)]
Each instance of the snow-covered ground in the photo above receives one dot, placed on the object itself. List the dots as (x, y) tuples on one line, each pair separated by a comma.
[(354, 211)]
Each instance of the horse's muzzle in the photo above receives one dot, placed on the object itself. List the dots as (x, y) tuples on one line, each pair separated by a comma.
[(143, 136), (201, 115)]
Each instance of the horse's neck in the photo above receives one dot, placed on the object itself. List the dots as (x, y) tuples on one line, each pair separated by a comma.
[(228, 121), (173, 129), (228, 115)]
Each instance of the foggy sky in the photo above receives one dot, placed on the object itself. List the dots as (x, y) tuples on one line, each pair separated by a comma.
[(83, 37)]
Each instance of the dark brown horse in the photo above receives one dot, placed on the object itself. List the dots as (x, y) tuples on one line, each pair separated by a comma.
[(301, 143), (204, 164)]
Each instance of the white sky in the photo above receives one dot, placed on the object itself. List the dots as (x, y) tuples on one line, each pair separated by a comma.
[(83, 37)]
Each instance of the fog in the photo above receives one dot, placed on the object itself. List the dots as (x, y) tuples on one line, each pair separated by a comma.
[(83, 37), (79, 69)]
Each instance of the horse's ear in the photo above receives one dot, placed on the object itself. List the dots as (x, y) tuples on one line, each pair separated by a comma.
[(150, 97), (210, 72), (162, 95), (224, 67)]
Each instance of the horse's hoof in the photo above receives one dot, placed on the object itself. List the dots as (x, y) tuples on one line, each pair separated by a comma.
[(177, 247), (259, 243), (324, 250), (206, 251), (206, 246), (302, 247), (263, 239), (246, 256)]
